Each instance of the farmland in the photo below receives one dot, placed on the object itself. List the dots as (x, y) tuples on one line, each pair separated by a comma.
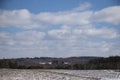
[(39, 74)]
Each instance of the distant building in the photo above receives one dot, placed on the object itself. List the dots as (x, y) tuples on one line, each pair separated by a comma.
[(50, 63), (54, 63), (66, 63), (42, 63)]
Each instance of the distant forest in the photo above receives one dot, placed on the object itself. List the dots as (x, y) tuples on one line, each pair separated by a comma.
[(81, 63)]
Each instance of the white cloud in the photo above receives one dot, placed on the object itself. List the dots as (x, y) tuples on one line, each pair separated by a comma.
[(60, 33), (26, 20), (4, 35), (104, 32), (108, 15), (25, 38), (84, 6), (61, 48), (72, 36), (33, 43), (70, 33), (105, 47), (30, 35), (17, 18), (65, 18)]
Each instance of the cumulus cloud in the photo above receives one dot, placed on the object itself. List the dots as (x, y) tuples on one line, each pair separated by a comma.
[(4, 35), (104, 33), (65, 18), (69, 33), (59, 48), (17, 18), (66, 41), (75, 34), (26, 38), (108, 15), (27, 20), (82, 7)]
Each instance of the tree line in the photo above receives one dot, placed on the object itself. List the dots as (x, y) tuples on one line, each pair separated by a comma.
[(112, 62)]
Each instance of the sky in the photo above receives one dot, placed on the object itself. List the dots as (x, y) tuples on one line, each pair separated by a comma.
[(59, 28)]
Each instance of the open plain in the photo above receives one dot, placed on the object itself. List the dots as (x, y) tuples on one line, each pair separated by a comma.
[(38, 74)]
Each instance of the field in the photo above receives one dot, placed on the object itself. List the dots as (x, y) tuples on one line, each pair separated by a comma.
[(37, 74)]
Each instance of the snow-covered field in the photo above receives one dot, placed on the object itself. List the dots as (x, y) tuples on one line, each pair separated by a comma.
[(18, 74), (101, 74)]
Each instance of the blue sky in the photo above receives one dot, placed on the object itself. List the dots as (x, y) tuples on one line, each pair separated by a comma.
[(36, 6), (59, 28)]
